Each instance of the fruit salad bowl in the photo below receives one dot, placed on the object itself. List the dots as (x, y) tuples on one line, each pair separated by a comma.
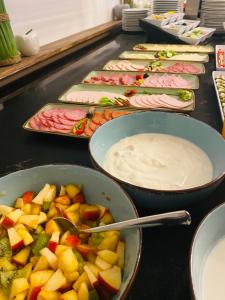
[(50, 269)]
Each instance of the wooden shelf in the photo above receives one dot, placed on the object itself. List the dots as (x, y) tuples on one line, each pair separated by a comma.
[(55, 51)]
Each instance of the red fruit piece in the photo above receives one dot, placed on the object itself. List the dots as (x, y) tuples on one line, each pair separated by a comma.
[(72, 240), (7, 222), (79, 198), (28, 197), (139, 76)]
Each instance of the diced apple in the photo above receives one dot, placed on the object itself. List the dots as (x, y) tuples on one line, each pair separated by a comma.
[(67, 261), (95, 270), (70, 295), (42, 194), (65, 200), (60, 249), (53, 242), (71, 276), (72, 240), (5, 210), (56, 281), (109, 243), (72, 190), (40, 278), (12, 218), (16, 242), (63, 240), (62, 191), (42, 218), (73, 216), (50, 196), (121, 253), (79, 198), (83, 292), (103, 210), (21, 257), (33, 293), (35, 209), (83, 278), (51, 258), (21, 296), (102, 264), (109, 256), (111, 279), (53, 212), (19, 203), (27, 197), (51, 226), (26, 208), (91, 213), (85, 249), (73, 207), (42, 264), (44, 295), (19, 285), (30, 221), (91, 276), (25, 235), (107, 218)]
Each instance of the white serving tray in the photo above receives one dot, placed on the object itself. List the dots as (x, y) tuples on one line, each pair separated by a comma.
[(221, 106), (195, 41)]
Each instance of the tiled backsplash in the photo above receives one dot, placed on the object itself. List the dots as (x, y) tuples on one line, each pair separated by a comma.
[(55, 19)]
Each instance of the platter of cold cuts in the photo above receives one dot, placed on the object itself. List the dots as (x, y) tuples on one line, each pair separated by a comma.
[(72, 120), (131, 98), (155, 66), (157, 80)]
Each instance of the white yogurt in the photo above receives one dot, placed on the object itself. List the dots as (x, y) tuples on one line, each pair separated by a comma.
[(213, 281), (158, 161)]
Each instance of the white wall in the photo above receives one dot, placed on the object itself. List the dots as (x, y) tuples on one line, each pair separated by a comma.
[(55, 19)]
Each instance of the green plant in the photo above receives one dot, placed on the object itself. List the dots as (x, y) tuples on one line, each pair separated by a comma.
[(8, 51)]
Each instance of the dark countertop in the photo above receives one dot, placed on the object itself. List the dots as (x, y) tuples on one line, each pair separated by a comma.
[(164, 270)]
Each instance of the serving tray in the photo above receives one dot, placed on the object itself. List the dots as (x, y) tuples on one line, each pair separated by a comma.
[(91, 112), (192, 79), (121, 91), (153, 66), (175, 47), (219, 98), (181, 56), (208, 32)]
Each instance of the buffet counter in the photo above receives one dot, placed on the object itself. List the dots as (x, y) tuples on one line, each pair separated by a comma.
[(164, 269)]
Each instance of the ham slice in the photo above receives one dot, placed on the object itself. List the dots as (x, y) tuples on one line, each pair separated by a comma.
[(158, 101), (91, 96)]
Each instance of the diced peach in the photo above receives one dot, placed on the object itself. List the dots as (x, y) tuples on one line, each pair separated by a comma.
[(20, 296), (35, 209), (83, 292), (61, 207), (83, 278), (42, 264), (73, 207), (22, 256), (5, 210), (19, 203), (60, 249), (26, 208), (90, 213), (103, 210), (19, 285), (55, 282), (85, 249), (42, 218), (121, 254), (25, 235), (33, 293), (65, 200), (67, 261), (70, 295), (107, 218), (53, 212), (73, 216), (71, 276), (51, 226), (109, 243), (109, 256), (40, 278), (44, 295), (29, 220), (79, 198), (72, 190)]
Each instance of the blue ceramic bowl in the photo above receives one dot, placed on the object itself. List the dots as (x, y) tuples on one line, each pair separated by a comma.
[(197, 132), (98, 188), (209, 233)]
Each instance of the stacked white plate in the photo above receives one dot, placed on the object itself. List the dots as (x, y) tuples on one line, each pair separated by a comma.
[(131, 17), (213, 14), (162, 6)]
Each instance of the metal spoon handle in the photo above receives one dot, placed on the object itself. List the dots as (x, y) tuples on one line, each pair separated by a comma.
[(181, 217)]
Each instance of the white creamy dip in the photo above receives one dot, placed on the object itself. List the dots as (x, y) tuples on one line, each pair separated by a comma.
[(213, 281), (158, 161)]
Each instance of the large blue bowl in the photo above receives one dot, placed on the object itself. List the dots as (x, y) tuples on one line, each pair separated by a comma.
[(98, 188), (209, 233), (197, 132)]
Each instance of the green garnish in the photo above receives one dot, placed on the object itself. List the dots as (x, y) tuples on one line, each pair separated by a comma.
[(104, 101), (40, 243), (165, 53), (185, 95), (146, 93)]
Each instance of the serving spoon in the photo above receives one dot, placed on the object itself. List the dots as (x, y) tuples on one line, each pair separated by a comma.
[(181, 217)]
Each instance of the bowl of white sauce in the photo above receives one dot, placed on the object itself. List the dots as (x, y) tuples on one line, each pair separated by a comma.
[(163, 160), (207, 263)]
